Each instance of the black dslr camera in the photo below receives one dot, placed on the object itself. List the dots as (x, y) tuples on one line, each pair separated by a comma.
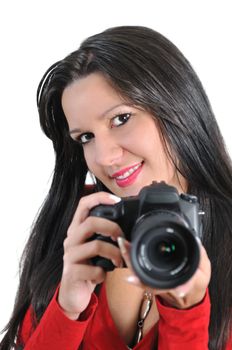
[(164, 229)]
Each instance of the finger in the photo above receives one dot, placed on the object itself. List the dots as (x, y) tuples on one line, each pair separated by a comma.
[(91, 225), (82, 254), (204, 265), (184, 289), (75, 273), (124, 247)]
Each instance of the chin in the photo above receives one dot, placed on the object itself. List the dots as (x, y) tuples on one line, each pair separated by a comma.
[(131, 190)]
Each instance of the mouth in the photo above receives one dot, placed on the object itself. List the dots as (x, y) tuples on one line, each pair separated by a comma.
[(127, 176)]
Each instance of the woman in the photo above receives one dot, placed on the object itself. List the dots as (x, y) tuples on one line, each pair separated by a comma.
[(128, 107)]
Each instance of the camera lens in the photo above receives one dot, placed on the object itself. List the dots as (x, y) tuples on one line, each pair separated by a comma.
[(164, 253), (166, 250)]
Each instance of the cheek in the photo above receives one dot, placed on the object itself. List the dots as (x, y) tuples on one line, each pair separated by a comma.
[(155, 152), (149, 146), (90, 161), (88, 158)]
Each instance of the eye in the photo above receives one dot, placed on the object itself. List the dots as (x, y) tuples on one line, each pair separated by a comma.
[(120, 119), (85, 137)]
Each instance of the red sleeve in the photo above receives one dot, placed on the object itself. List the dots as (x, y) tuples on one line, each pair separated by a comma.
[(55, 331), (229, 344), (184, 329)]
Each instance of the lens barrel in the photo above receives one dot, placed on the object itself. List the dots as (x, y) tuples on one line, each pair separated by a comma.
[(165, 251)]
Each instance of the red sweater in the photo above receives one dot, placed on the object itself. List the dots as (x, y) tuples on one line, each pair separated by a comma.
[(175, 330)]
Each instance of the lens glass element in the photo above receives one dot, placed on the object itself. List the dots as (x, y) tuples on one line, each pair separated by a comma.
[(166, 250)]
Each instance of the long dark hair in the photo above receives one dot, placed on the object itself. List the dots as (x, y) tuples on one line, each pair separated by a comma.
[(147, 69)]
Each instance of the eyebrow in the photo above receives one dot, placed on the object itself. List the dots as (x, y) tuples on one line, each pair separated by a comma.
[(76, 130)]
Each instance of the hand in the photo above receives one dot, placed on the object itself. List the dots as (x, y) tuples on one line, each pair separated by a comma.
[(181, 297), (79, 277)]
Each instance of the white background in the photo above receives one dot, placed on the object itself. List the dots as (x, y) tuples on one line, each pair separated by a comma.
[(35, 34)]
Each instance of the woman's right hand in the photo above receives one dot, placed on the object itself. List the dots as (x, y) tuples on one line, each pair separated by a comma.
[(79, 276)]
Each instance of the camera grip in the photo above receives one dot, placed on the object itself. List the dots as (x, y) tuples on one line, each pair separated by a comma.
[(104, 263), (108, 212)]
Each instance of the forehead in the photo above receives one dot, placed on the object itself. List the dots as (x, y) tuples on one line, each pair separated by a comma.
[(92, 93)]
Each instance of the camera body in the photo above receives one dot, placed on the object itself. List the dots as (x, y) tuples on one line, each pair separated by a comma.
[(164, 230)]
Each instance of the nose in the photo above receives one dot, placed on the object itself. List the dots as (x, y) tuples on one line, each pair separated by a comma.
[(107, 150)]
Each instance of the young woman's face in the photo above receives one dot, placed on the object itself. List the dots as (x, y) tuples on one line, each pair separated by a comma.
[(122, 144)]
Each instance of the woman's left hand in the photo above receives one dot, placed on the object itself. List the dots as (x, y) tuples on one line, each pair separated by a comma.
[(181, 297)]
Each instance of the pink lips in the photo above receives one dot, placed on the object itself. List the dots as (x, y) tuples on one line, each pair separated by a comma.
[(127, 176)]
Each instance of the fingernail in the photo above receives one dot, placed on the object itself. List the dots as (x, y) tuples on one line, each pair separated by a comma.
[(121, 244), (115, 198)]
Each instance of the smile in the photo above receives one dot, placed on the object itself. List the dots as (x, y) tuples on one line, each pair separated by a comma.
[(127, 176), (128, 172)]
